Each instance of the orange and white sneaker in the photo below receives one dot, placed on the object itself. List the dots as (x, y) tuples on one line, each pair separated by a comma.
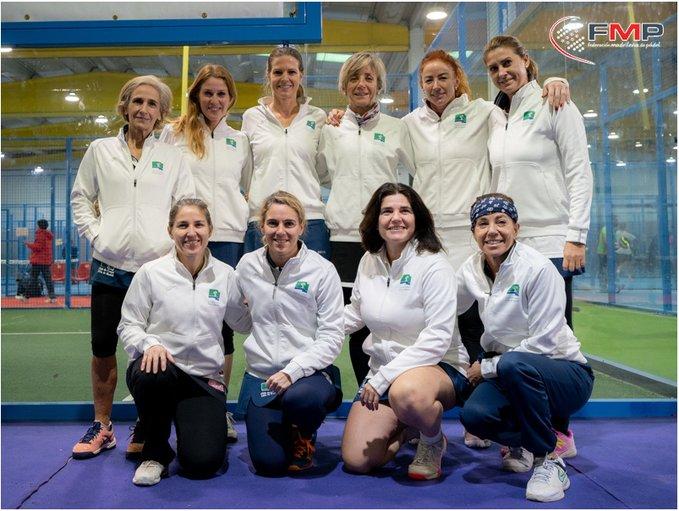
[(426, 464), (98, 438)]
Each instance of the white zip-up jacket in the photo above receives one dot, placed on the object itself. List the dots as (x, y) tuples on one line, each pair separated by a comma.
[(410, 309), (522, 310), (297, 324), (165, 306), (540, 159), (225, 169), (284, 158), (357, 161), (451, 156), (134, 202)]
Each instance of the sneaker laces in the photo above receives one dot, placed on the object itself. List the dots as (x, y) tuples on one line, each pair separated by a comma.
[(92, 433), (303, 447), (543, 473), (426, 454)]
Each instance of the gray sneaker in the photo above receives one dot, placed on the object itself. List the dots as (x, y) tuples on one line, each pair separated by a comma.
[(149, 473), (231, 433), (426, 464), (517, 459), (548, 482)]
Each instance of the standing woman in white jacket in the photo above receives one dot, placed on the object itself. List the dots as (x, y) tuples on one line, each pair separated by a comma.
[(354, 159), (171, 327), (135, 179), (284, 130), (532, 368), (405, 293), (221, 165), (295, 300)]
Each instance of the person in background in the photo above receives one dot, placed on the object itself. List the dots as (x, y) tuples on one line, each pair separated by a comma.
[(405, 293), (133, 180), (41, 258), (295, 300), (353, 160), (221, 164), (532, 368), (171, 328), (284, 131), (540, 157)]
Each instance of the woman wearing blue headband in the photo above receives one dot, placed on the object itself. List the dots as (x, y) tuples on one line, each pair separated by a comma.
[(532, 366)]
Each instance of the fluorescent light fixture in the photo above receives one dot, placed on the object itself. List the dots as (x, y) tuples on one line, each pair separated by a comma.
[(101, 119), (38, 170), (638, 144), (436, 15), (456, 54), (635, 91), (621, 164), (590, 114), (613, 136), (2, 155), (72, 97), (675, 148), (645, 89), (573, 25), (5, 49), (387, 100), (671, 160), (339, 58)]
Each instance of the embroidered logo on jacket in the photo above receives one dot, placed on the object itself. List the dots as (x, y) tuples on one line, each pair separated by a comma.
[(513, 290), (311, 124), (380, 137), (157, 165), (461, 118), (406, 279), (213, 294), (302, 286), (231, 142), (528, 115)]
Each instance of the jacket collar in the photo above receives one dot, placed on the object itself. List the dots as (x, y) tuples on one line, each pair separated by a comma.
[(523, 95), (455, 104), (265, 106), (293, 261), (181, 269), (222, 128), (395, 268), (369, 119), (149, 142)]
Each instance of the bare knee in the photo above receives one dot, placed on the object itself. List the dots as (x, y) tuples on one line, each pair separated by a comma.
[(406, 398), (356, 462)]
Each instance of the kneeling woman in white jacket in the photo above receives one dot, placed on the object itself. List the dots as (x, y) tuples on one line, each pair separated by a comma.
[(295, 300), (532, 368), (171, 328), (405, 293)]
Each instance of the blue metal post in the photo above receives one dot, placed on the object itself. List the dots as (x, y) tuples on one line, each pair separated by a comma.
[(53, 207), (608, 188), (7, 251), (663, 224), (69, 221), (461, 35)]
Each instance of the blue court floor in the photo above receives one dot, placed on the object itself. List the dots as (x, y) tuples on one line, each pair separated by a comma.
[(623, 463)]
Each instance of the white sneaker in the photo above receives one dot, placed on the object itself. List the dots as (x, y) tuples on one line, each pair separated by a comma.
[(149, 473), (474, 442), (231, 433), (426, 464), (517, 459), (548, 481)]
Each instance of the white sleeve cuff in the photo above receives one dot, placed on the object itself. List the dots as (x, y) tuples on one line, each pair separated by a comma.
[(294, 371), (489, 367), (576, 235)]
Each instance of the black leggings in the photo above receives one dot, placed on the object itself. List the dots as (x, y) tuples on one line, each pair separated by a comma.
[(104, 318), (198, 415), (305, 404)]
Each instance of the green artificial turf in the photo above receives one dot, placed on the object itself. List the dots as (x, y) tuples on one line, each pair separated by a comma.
[(56, 366), (641, 340)]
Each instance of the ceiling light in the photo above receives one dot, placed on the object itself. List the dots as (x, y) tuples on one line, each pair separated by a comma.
[(590, 114), (645, 89), (2, 155), (621, 164), (671, 160), (635, 91), (675, 148), (101, 119), (589, 146), (38, 170), (573, 25), (338, 58), (5, 49), (387, 100), (436, 15), (72, 97), (638, 144), (613, 136)]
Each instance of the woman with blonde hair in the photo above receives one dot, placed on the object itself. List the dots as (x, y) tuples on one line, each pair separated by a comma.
[(135, 179), (284, 130), (295, 301), (354, 159), (221, 165)]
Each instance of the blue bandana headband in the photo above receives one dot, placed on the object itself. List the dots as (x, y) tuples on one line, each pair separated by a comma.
[(492, 204)]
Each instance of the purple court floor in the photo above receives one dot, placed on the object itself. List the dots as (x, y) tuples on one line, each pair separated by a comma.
[(627, 463)]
